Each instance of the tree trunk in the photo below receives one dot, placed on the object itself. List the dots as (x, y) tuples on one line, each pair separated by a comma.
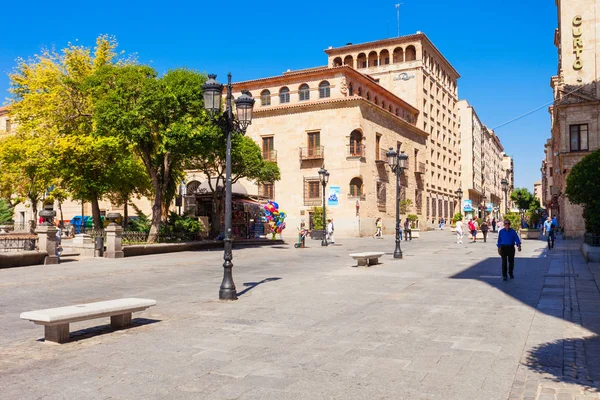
[(62, 218), (156, 217), (96, 214), (125, 214)]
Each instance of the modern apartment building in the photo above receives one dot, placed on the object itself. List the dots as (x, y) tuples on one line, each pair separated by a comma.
[(575, 112), (413, 69)]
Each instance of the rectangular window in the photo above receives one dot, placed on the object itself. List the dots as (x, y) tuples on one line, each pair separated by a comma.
[(578, 135), (314, 143), (267, 190), (312, 191), (377, 147), (267, 144), (8, 126), (381, 194)]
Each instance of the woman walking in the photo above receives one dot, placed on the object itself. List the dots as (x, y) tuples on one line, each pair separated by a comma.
[(484, 229), (378, 231), (459, 231)]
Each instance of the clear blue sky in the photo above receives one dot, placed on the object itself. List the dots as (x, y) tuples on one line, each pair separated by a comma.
[(504, 51)]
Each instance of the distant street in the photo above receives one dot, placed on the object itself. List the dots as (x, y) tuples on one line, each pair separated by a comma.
[(438, 324)]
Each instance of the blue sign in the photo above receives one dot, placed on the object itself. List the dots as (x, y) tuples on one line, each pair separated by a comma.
[(468, 205), (334, 195), (490, 207)]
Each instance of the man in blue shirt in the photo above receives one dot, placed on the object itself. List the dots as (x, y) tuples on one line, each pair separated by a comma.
[(549, 232), (507, 238)]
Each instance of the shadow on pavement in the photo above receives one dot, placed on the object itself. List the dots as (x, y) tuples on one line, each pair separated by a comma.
[(252, 285), (87, 333), (555, 292)]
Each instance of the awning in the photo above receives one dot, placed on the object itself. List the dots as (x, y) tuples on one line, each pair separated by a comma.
[(195, 187)]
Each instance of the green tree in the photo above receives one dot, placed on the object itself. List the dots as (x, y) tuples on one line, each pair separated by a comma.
[(162, 119), (584, 189), (524, 199), (405, 206), (246, 162), (6, 212)]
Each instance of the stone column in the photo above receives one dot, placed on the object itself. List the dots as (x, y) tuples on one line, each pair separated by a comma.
[(114, 236), (47, 242)]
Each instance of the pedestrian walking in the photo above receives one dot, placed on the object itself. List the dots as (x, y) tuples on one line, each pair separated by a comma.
[(473, 230), (442, 223), (549, 228), (407, 230), (494, 224), (507, 239), (459, 231), (484, 229), (330, 229), (378, 228)]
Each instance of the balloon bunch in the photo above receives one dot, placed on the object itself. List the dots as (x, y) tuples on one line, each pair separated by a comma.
[(275, 217)]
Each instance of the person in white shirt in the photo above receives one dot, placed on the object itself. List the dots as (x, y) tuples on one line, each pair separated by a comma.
[(459, 231), (330, 229)]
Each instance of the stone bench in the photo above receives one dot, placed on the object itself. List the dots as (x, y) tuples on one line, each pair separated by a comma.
[(56, 320), (369, 258)]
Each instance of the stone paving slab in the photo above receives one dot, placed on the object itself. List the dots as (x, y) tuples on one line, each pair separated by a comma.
[(438, 324)]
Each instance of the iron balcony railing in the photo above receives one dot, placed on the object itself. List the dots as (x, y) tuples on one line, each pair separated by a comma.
[(420, 167), (381, 156), (270, 155), (355, 150), (312, 153)]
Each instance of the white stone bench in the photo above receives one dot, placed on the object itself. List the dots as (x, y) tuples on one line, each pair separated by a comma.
[(56, 320), (369, 258)]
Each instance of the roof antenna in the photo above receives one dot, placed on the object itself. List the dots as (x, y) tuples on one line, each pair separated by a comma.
[(398, 16)]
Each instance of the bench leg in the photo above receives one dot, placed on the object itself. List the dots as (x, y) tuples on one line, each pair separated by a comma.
[(56, 333), (362, 262), (120, 321), (373, 261)]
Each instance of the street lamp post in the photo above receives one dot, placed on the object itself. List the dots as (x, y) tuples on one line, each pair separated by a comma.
[(459, 193), (324, 178), (483, 198), (244, 105), (504, 184), (397, 163)]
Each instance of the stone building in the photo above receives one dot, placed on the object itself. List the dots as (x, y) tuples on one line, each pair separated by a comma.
[(547, 180), (537, 192), (344, 120), (481, 163), (575, 112), (508, 168), (413, 69)]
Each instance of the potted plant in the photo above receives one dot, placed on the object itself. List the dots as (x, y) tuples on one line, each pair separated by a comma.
[(316, 231), (531, 232), (414, 225)]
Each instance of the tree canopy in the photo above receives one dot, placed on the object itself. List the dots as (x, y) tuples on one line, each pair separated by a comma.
[(524, 199), (584, 189)]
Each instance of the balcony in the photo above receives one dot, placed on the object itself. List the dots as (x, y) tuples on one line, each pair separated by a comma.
[(420, 168), (312, 153), (270, 155), (381, 156), (355, 151)]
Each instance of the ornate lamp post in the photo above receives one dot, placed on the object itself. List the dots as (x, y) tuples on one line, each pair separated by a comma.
[(244, 105), (324, 178), (483, 199), (397, 163), (504, 184), (459, 194)]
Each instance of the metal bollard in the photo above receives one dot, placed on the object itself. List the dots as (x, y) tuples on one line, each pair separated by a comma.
[(99, 247)]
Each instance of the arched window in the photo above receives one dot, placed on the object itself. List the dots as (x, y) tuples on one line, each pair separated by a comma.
[(350, 91), (361, 61), (384, 57), (390, 108), (398, 55), (304, 92), (284, 95), (324, 90), (411, 53), (368, 96), (265, 98), (349, 61), (382, 104), (192, 187), (376, 101), (373, 61), (337, 62), (356, 187), (360, 92), (356, 148)]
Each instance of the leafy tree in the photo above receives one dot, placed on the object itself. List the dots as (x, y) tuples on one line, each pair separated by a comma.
[(25, 167), (52, 101), (6, 212), (457, 217), (524, 199), (161, 118), (246, 162), (515, 220), (584, 189), (317, 218), (405, 205)]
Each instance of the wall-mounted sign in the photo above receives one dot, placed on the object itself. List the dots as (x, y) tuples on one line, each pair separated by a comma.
[(468, 205), (403, 76), (577, 42), (334, 196)]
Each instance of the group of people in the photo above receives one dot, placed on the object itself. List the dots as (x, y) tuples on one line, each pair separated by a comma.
[(473, 226), (407, 229)]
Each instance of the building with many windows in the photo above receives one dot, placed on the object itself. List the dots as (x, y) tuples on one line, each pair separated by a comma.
[(345, 121), (575, 112)]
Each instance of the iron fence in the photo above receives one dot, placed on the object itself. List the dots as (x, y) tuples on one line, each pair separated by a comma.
[(17, 243), (136, 237), (592, 239)]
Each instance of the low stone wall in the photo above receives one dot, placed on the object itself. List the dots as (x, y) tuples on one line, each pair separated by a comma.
[(590, 253), (159, 248), (22, 258)]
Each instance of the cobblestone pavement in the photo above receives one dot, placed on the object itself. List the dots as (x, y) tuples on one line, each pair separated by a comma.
[(438, 324)]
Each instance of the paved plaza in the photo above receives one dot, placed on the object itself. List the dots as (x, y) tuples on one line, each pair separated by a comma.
[(438, 324)]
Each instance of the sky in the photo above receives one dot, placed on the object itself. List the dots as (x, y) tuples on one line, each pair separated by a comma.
[(504, 51)]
